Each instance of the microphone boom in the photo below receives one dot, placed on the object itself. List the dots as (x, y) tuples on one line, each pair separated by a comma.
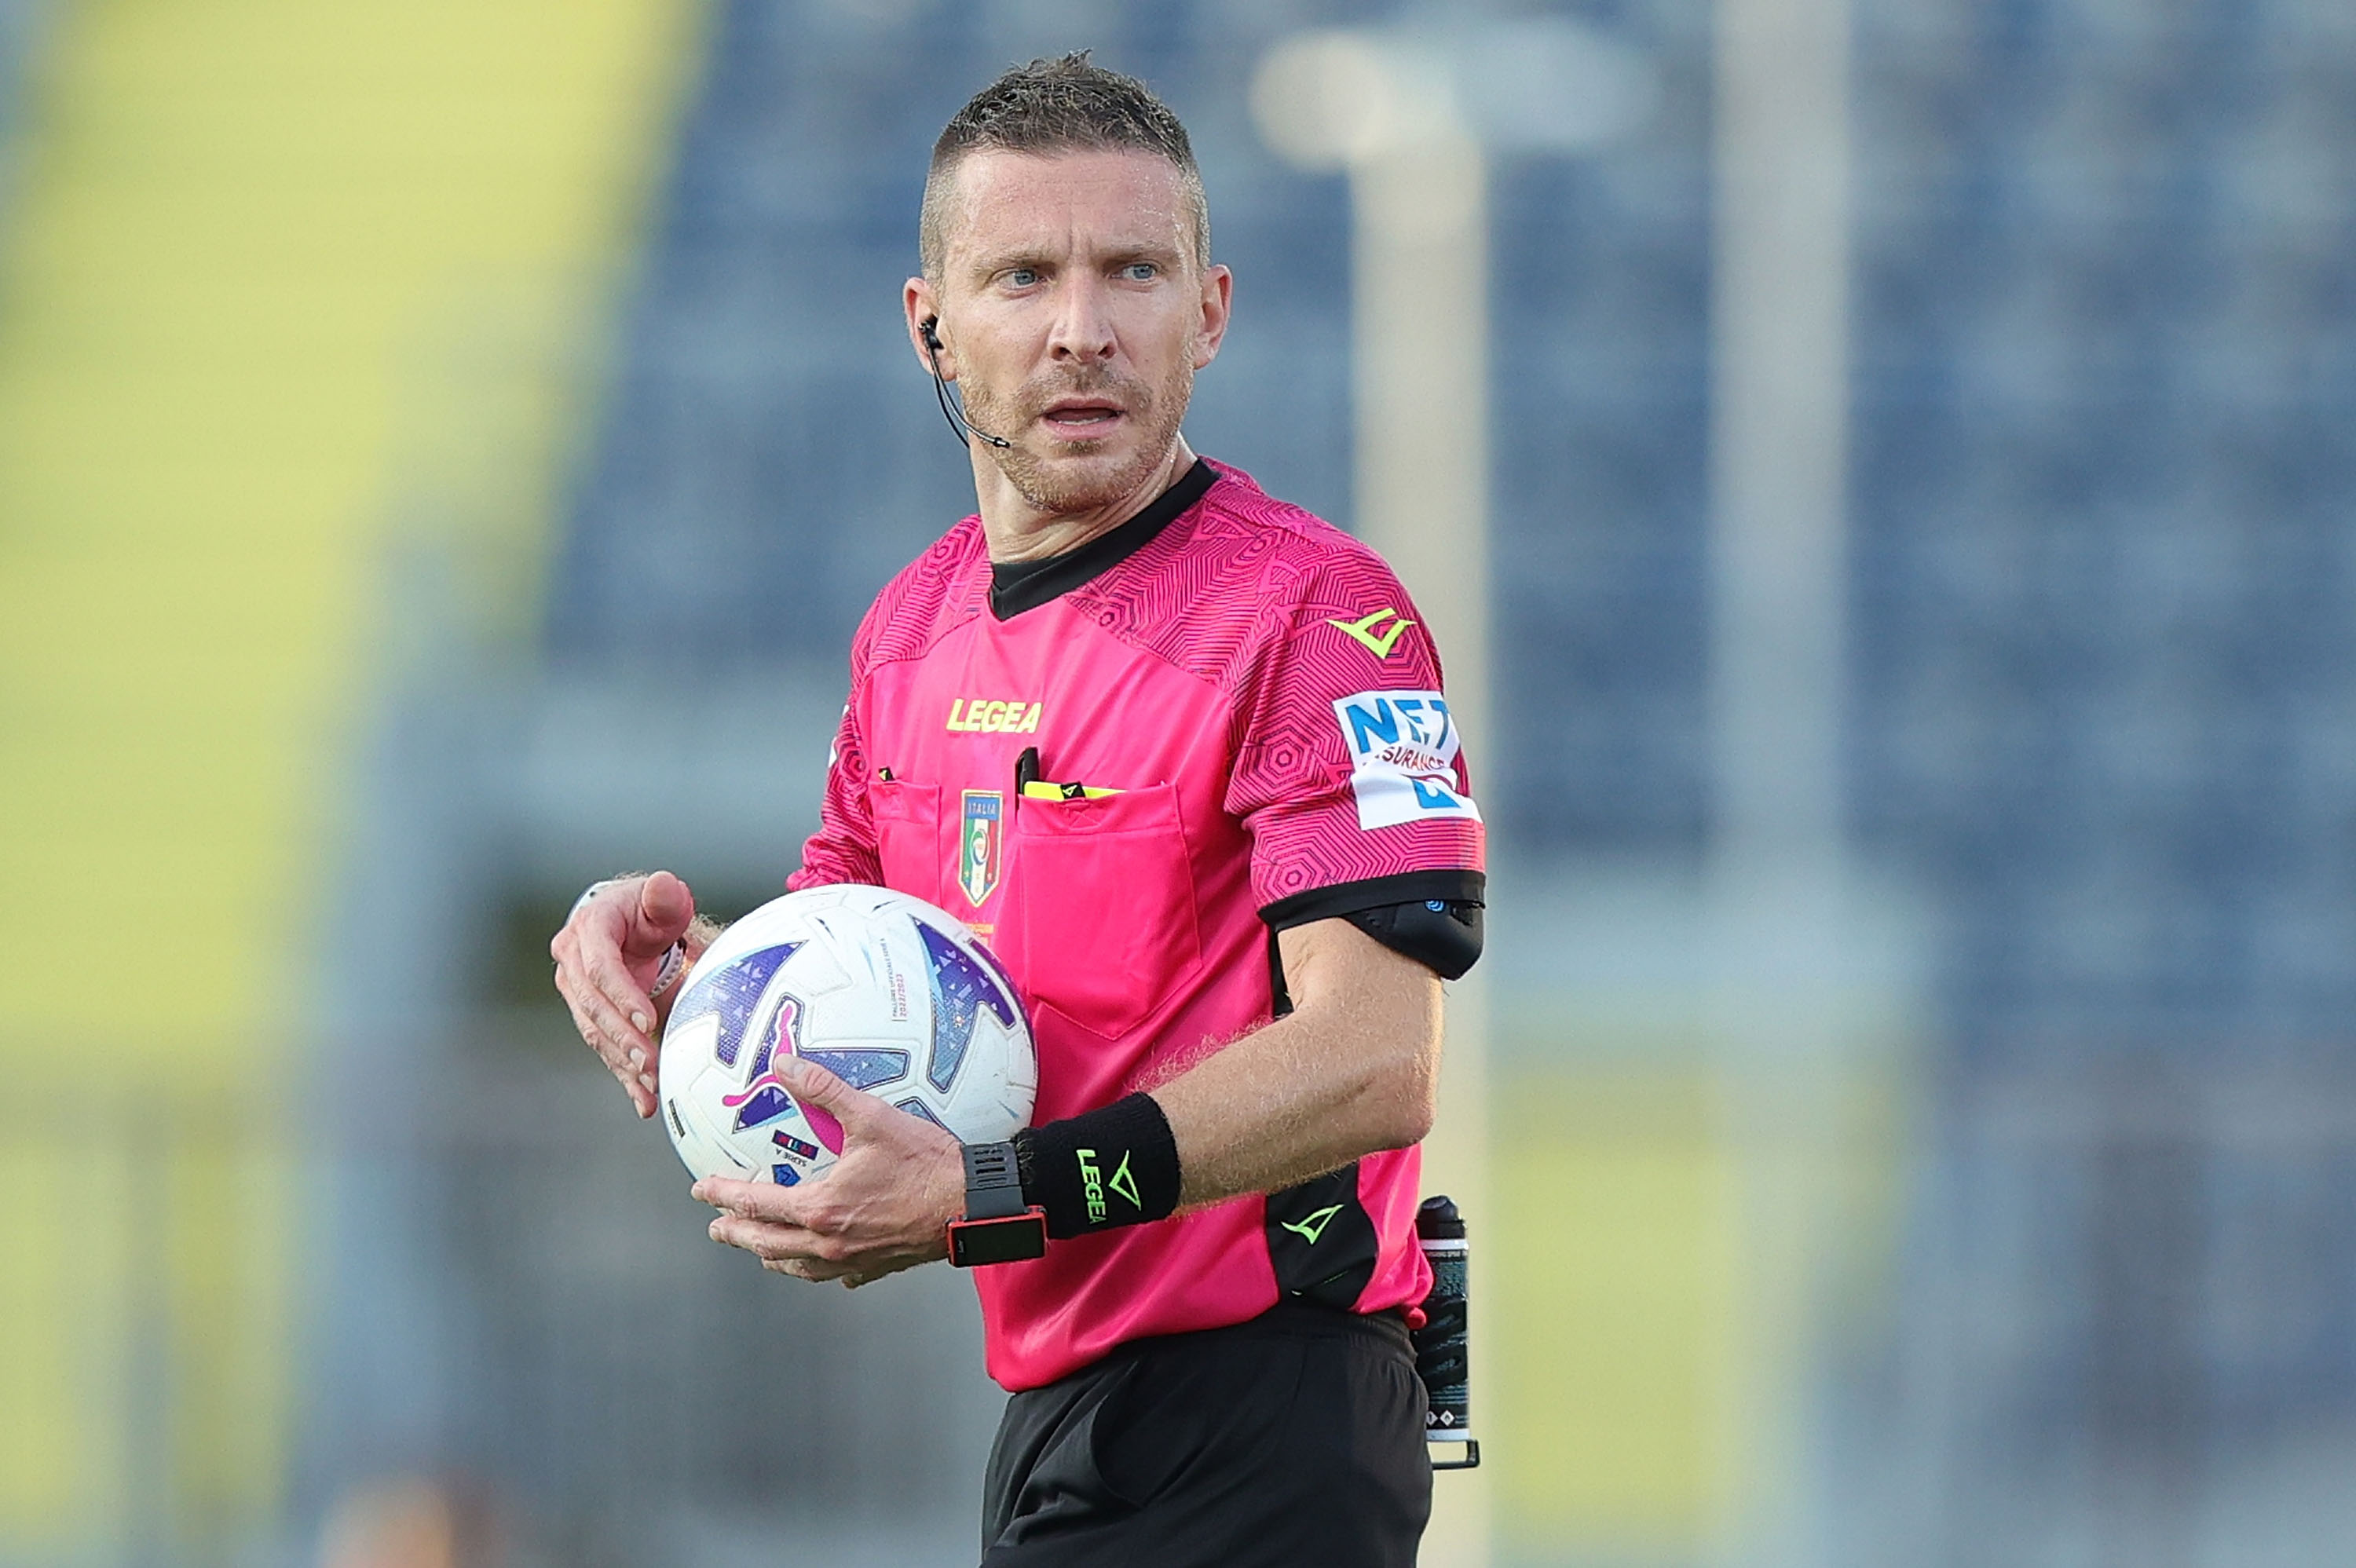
[(959, 424)]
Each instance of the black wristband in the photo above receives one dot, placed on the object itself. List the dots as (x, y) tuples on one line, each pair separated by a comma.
[(1114, 1166)]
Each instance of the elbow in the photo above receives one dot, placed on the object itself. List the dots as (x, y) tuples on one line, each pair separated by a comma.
[(1413, 1126)]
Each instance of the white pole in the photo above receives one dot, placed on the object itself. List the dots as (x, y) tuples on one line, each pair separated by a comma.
[(1420, 283), (1779, 425), (1419, 265), (1419, 269), (1778, 471)]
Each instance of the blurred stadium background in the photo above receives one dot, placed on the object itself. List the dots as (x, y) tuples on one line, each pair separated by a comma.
[(445, 447)]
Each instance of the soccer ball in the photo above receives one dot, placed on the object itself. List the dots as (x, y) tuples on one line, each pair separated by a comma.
[(889, 994)]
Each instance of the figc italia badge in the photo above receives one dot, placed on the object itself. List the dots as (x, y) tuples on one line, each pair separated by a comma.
[(981, 842)]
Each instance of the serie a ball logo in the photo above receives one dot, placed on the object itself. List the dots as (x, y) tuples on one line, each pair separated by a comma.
[(889, 994)]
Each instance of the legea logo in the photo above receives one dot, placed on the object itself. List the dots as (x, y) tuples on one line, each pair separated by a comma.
[(979, 716), (1403, 747)]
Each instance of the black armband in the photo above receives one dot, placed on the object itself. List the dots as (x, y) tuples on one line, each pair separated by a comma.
[(1114, 1166), (1444, 935), (1433, 917)]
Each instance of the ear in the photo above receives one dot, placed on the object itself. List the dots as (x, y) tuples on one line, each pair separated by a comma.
[(923, 308), (1218, 296)]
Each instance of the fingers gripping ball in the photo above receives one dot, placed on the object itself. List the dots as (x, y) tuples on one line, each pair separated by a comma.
[(889, 994)]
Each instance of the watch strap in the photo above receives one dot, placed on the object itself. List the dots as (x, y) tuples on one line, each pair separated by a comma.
[(993, 1181)]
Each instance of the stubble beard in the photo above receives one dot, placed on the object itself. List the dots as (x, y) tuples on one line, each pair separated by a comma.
[(1066, 483)]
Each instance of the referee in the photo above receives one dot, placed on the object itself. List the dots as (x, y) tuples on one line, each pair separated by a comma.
[(1181, 754)]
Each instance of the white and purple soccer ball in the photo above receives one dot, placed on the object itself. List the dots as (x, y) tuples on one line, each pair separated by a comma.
[(889, 994)]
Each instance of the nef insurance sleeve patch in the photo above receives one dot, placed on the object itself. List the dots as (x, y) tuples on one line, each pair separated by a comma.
[(1402, 757)]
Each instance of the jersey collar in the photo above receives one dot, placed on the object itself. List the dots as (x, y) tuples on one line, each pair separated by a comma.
[(1018, 585)]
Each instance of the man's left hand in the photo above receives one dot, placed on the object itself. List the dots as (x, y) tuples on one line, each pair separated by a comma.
[(885, 1205)]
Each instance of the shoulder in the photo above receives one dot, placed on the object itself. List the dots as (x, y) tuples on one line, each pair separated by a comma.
[(922, 601), (1237, 577), (1295, 570), (1288, 549)]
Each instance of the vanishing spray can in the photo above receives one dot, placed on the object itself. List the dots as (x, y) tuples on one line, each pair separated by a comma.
[(1443, 1346)]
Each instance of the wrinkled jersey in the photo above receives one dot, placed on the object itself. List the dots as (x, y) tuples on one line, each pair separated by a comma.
[(1243, 717)]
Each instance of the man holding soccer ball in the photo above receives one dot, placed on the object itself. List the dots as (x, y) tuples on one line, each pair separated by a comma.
[(1180, 754)]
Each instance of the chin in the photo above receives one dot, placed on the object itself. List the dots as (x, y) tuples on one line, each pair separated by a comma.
[(1077, 475)]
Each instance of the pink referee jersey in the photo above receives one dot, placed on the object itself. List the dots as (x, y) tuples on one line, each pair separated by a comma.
[(1239, 724)]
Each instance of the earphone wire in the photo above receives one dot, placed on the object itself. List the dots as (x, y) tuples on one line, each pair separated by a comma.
[(959, 426)]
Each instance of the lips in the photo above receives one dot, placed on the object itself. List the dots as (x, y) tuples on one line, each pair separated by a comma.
[(1081, 418)]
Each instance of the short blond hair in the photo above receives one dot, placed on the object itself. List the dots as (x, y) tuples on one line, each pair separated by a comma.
[(1069, 104)]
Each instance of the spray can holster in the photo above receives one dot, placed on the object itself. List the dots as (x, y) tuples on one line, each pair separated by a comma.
[(1443, 1345)]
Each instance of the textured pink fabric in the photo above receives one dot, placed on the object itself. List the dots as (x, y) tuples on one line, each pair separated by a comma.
[(1203, 678)]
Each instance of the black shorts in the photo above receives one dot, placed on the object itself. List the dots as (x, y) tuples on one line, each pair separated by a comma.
[(1296, 1438)]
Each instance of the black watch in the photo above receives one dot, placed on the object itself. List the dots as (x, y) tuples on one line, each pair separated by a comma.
[(998, 1227)]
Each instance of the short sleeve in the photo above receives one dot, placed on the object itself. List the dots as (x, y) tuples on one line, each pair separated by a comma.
[(905, 619), (1349, 767), (844, 850)]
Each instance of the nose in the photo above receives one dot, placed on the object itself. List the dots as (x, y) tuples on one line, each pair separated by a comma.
[(1083, 332)]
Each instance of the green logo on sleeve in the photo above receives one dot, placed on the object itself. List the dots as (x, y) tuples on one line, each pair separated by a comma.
[(1091, 1186), (1125, 1184), (1312, 1228), (1380, 643)]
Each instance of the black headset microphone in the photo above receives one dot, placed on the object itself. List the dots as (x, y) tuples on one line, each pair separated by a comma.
[(962, 426)]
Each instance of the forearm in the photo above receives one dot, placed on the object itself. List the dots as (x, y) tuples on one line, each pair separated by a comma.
[(1351, 1069), (1307, 1094)]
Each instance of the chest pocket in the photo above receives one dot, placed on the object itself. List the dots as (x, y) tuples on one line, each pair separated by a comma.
[(908, 834), (1102, 912)]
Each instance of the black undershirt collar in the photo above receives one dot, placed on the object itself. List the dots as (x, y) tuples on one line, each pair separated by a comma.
[(1018, 585)]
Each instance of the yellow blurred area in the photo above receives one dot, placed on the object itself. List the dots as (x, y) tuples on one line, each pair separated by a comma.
[(275, 270), (245, 227), (1617, 1264), (1674, 1234)]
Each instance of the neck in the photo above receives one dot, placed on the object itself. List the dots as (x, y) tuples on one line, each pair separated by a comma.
[(1018, 530)]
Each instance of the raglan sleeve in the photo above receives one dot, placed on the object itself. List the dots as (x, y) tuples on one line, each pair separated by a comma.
[(844, 850), (1349, 772)]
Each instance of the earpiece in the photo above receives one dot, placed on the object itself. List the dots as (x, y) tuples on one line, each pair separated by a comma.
[(930, 329)]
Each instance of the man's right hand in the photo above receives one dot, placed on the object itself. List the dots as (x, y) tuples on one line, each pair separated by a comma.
[(606, 959)]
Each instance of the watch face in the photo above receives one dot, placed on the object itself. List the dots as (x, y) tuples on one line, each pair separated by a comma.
[(974, 1242)]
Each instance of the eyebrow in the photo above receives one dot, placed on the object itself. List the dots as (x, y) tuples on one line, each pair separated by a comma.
[(987, 265), (1116, 254)]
